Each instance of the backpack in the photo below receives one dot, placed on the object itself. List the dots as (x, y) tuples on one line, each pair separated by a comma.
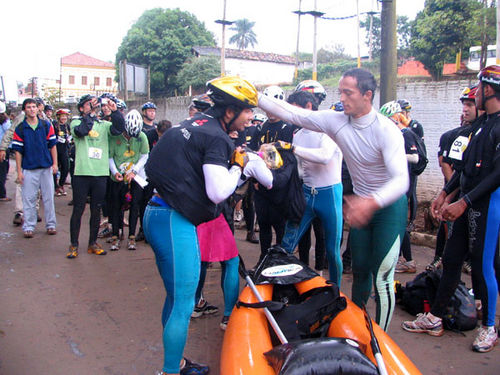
[(306, 316), (419, 167), (419, 294)]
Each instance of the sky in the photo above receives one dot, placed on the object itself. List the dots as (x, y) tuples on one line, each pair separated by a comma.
[(38, 33)]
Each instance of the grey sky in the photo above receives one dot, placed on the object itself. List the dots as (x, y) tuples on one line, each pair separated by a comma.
[(36, 34)]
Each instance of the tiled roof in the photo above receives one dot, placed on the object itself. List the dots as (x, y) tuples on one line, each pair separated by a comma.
[(450, 69), (78, 58), (244, 54), (413, 68)]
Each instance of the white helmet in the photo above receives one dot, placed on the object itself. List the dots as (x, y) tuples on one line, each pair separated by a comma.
[(389, 109), (274, 92), (133, 123), (259, 117)]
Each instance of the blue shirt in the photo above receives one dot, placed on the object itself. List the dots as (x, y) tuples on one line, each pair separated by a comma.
[(35, 144)]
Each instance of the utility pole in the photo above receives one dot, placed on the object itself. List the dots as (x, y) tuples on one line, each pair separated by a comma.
[(315, 14), (370, 43), (388, 58), (357, 28), (224, 23), (299, 13)]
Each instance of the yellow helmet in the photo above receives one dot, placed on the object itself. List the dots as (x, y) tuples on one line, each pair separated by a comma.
[(232, 90)]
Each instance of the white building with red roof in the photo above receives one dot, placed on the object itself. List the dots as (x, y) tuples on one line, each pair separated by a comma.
[(82, 74)]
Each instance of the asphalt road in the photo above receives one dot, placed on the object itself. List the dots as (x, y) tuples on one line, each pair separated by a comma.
[(101, 315)]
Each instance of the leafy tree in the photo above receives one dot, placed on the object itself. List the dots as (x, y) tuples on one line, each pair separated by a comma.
[(163, 38), (196, 73), (443, 28), (403, 30), (244, 34), (332, 53)]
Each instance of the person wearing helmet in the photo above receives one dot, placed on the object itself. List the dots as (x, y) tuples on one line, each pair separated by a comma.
[(128, 153), (314, 87), (104, 99), (91, 138), (454, 141), (61, 127), (321, 161), (194, 168), (392, 110), (49, 111), (272, 206), (374, 152), (476, 219), (148, 116), (337, 106), (414, 125), (258, 120), (122, 106), (199, 103)]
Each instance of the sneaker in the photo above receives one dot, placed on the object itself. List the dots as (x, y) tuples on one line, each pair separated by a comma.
[(486, 339), (104, 232), (58, 192), (224, 322), (425, 323), (204, 309), (252, 237), (115, 244), (193, 368), (406, 267), (436, 264), (72, 252), (467, 267), (63, 192), (96, 249), (131, 243), (18, 219), (238, 215)]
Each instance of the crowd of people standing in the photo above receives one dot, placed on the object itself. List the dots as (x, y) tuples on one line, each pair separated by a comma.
[(181, 185)]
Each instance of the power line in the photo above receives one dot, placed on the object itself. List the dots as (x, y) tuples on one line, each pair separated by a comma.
[(347, 17)]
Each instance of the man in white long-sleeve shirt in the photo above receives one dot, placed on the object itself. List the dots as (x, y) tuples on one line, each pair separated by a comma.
[(320, 160), (374, 152)]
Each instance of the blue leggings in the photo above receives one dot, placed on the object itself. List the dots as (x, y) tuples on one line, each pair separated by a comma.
[(175, 244), (325, 203), (229, 282), (375, 250)]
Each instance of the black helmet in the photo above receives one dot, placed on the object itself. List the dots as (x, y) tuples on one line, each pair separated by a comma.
[(84, 99), (405, 105), (48, 107), (39, 100), (202, 102)]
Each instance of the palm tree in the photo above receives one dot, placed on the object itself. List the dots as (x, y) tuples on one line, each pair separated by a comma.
[(244, 34)]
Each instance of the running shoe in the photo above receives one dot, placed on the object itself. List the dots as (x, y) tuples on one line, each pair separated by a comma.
[(58, 192), (72, 252), (193, 368), (104, 232), (224, 322), (63, 192), (467, 267), (115, 244), (486, 339), (96, 249), (18, 219), (204, 309), (252, 237), (131, 243), (425, 323), (436, 264), (238, 215), (406, 267)]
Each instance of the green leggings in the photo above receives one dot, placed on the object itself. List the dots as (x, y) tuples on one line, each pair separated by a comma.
[(375, 250)]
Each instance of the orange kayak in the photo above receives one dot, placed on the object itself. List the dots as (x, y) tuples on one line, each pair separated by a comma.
[(247, 336)]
